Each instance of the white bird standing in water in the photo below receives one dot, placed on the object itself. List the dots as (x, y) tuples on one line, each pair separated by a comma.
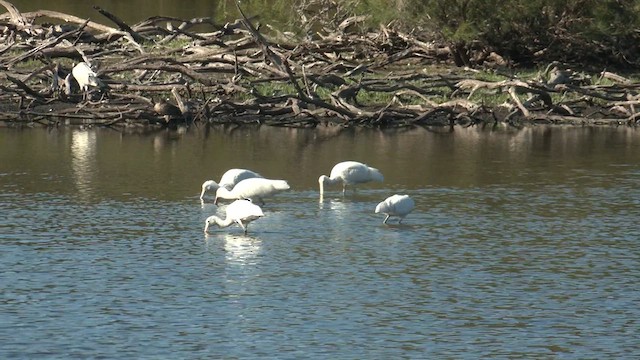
[(228, 180), (241, 212), (349, 173), (253, 188), (396, 205), (86, 77)]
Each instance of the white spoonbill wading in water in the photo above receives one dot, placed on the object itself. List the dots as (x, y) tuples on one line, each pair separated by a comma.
[(241, 212), (86, 78), (253, 188), (228, 180), (396, 205), (350, 173)]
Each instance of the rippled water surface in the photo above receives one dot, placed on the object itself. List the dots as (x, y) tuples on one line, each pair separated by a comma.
[(524, 244)]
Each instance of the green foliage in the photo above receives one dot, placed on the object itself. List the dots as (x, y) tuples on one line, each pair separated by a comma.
[(521, 28), (601, 32)]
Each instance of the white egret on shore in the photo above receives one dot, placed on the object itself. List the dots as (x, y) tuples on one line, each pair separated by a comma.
[(349, 173), (228, 180), (241, 212), (86, 78), (253, 188), (396, 205)]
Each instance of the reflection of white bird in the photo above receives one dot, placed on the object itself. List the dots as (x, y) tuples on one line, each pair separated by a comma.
[(350, 173), (253, 188), (86, 78), (241, 212), (228, 180), (241, 250), (396, 205)]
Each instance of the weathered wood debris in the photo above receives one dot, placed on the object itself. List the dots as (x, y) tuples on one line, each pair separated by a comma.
[(235, 73)]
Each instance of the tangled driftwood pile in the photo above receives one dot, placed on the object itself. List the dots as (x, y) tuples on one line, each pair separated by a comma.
[(235, 74)]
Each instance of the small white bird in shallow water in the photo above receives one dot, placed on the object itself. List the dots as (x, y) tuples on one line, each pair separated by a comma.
[(241, 212), (396, 205), (349, 173), (253, 188), (86, 78), (228, 180)]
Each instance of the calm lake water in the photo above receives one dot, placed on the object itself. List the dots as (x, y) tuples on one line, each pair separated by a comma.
[(524, 244), (277, 13)]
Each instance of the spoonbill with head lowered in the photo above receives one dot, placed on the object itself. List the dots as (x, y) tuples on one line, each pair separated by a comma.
[(253, 188), (86, 78), (349, 173), (241, 212), (396, 205), (228, 180)]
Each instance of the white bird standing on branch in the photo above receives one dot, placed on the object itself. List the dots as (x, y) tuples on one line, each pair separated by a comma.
[(228, 180), (86, 78), (241, 212), (396, 205), (349, 173), (253, 188)]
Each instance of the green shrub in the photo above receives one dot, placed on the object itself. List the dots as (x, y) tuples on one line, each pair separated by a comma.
[(528, 31)]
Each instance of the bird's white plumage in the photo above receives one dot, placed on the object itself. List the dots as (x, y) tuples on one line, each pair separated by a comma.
[(85, 77), (253, 188), (241, 212), (396, 205), (233, 176), (350, 173), (228, 180)]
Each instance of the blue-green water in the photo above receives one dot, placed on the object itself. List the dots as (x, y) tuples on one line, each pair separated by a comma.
[(524, 244)]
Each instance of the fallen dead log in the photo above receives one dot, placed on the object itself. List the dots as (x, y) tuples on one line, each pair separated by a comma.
[(44, 45), (121, 24), (92, 25), (237, 74)]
